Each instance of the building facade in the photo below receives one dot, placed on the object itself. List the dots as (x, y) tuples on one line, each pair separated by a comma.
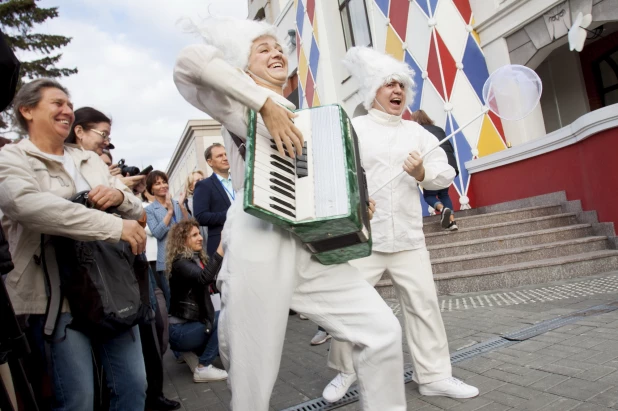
[(188, 156), (453, 46)]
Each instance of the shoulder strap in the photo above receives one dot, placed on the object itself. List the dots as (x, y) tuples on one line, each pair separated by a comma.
[(55, 296), (239, 143)]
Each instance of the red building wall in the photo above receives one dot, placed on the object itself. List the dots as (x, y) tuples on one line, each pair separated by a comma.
[(587, 171)]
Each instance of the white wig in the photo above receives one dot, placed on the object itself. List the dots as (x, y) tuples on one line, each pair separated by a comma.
[(233, 37), (373, 69)]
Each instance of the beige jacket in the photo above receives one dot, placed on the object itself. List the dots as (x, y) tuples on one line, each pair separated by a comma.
[(33, 193)]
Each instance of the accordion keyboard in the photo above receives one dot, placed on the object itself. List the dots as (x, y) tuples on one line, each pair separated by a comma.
[(276, 177)]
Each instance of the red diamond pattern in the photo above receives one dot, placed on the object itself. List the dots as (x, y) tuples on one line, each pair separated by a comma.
[(498, 124), (464, 9), (310, 6), (399, 17), (309, 90), (449, 69)]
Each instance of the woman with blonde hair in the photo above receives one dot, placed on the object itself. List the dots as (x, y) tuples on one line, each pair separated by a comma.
[(192, 180), (193, 320)]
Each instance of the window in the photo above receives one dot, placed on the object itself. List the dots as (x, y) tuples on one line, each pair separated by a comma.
[(355, 23), (605, 71)]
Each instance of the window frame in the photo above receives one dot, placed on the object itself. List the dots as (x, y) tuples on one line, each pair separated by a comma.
[(598, 79), (344, 4)]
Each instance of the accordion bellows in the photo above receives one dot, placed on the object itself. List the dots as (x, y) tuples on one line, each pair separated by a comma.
[(321, 196)]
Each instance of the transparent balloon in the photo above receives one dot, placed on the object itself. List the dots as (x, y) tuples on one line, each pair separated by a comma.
[(512, 91)]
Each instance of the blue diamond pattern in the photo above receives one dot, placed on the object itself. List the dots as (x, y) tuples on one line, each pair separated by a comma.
[(314, 58), (383, 5), (428, 6), (300, 17), (418, 80), (474, 66), (463, 152)]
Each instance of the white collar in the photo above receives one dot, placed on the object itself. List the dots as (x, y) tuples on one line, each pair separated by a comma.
[(383, 118), (229, 177)]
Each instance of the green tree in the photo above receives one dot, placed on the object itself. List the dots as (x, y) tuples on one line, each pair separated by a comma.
[(17, 20)]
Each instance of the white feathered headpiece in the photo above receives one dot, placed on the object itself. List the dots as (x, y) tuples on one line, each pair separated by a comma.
[(233, 37), (373, 69)]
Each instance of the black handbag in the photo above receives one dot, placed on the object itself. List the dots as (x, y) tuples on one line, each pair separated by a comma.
[(105, 284)]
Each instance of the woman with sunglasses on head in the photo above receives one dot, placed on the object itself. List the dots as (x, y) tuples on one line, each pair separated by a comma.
[(193, 319)]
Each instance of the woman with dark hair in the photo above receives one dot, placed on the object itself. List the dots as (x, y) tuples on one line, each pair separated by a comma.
[(193, 321), (439, 199), (163, 212), (37, 176), (90, 130)]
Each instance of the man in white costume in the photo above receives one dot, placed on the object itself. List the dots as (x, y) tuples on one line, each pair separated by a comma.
[(266, 269), (388, 143)]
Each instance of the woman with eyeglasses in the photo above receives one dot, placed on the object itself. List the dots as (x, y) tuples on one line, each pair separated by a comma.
[(91, 131)]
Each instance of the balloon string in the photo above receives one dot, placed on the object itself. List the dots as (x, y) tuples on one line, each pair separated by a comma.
[(447, 138)]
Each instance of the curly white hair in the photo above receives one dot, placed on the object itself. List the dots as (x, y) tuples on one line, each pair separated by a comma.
[(233, 37), (373, 69)]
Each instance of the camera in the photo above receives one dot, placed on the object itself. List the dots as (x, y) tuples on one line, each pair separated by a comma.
[(127, 170)]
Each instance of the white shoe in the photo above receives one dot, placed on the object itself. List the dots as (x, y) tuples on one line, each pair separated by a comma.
[(210, 373), (448, 387), (320, 337), (336, 389), (302, 317)]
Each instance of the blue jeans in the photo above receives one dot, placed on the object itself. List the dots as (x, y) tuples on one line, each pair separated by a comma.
[(190, 336), (434, 197), (122, 360)]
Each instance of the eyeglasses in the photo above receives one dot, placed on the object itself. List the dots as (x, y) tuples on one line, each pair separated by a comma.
[(102, 134)]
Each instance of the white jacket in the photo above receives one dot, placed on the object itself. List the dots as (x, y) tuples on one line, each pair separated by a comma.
[(385, 142)]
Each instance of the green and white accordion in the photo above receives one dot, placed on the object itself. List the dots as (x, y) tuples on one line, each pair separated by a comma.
[(321, 195)]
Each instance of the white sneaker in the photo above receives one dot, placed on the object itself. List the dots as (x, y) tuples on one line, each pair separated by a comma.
[(210, 373), (320, 337), (302, 317), (449, 387), (336, 389)]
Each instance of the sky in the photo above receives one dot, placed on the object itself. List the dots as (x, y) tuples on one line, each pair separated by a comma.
[(125, 52)]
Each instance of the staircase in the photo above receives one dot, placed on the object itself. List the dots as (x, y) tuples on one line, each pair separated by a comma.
[(530, 241)]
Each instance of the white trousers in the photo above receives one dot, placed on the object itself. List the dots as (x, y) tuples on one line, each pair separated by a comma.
[(265, 272), (413, 281)]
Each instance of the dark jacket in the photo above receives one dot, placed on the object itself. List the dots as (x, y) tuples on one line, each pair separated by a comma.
[(6, 264), (9, 73), (190, 297), (210, 204), (447, 147)]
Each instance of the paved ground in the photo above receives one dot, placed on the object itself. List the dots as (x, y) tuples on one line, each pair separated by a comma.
[(574, 367)]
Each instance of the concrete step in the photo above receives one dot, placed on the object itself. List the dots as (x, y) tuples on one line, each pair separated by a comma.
[(496, 217), (499, 229), (519, 255), (515, 275), (542, 200), (506, 242)]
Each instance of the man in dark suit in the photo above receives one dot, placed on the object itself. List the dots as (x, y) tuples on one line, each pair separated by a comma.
[(213, 196)]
